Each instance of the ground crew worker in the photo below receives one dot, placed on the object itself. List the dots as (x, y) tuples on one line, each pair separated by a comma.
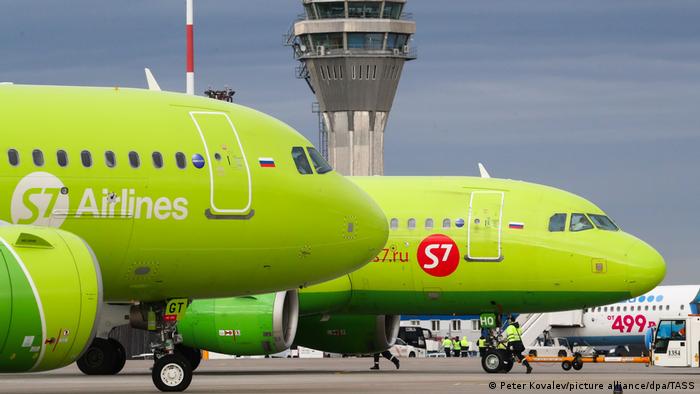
[(464, 343), (515, 342), (447, 346), (481, 343), (387, 355), (456, 347)]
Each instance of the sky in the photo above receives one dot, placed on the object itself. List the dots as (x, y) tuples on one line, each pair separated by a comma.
[(596, 97)]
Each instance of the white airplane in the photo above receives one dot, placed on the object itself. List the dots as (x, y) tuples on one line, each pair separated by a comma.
[(628, 323)]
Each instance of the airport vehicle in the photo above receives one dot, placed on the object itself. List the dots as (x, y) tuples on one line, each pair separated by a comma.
[(402, 349), (622, 326), (457, 245), (550, 347), (415, 336), (677, 342), (125, 202)]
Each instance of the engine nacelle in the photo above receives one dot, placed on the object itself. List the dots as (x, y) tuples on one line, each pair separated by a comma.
[(50, 298), (252, 325), (348, 334)]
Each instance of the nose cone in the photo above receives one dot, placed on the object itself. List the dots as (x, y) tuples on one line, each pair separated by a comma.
[(646, 268)]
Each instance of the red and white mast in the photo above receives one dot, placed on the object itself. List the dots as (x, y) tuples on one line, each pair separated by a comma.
[(190, 47)]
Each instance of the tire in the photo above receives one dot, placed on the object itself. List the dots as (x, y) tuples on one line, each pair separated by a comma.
[(562, 353), (492, 361), (121, 356), (172, 373), (577, 364), (507, 366), (566, 365), (192, 355), (101, 358), (412, 355)]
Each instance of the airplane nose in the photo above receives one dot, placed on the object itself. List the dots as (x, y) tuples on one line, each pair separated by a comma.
[(646, 268)]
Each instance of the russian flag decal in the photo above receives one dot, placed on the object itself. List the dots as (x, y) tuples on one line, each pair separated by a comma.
[(516, 225), (267, 162)]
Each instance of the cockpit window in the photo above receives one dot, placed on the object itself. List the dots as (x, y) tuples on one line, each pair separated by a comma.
[(557, 222), (579, 222), (300, 160), (319, 161), (603, 222)]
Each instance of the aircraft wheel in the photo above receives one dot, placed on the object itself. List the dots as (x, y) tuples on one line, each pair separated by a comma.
[(566, 365), (192, 355), (121, 356), (103, 357), (172, 372), (492, 361)]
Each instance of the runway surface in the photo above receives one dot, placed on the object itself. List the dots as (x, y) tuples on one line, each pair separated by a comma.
[(352, 375)]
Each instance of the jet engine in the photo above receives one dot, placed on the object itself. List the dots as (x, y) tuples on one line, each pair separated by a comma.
[(348, 334), (50, 298), (251, 325)]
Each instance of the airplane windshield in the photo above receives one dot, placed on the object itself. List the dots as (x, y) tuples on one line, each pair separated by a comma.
[(579, 222), (320, 163), (603, 222)]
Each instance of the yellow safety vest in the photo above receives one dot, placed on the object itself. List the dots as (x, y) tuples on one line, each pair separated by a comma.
[(446, 343), (465, 343), (456, 346), (514, 334), (481, 343)]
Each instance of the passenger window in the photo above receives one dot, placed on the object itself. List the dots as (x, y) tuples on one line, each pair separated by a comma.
[(579, 222), (446, 223), (557, 222), (429, 224), (180, 160), (603, 222), (38, 157), (157, 160), (13, 157), (62, 158), (411, 224), (134, 159), (653, 308), (682, 306), (300, 160), (110, 159), (320, 163), (394, 224), (646, 307), (86, 158)]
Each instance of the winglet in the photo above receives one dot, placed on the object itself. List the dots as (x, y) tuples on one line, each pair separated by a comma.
[(483, 172), (151, 80)]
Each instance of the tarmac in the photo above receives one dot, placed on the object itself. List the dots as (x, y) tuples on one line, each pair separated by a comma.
[(352, 375)]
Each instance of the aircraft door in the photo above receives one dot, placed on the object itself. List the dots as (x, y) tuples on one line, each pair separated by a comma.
[(484, 226), (229, 173)]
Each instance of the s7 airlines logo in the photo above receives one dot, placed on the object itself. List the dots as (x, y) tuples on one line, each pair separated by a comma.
[(42, 199), (36, 196), (438, 255)]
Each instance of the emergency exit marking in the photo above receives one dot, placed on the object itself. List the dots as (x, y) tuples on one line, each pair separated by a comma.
[(438, 255)]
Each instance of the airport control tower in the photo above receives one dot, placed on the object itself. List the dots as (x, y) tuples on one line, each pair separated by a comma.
[(351, 54)]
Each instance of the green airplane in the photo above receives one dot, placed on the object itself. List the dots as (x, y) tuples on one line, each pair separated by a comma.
[(124, 202), (457, 245)]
